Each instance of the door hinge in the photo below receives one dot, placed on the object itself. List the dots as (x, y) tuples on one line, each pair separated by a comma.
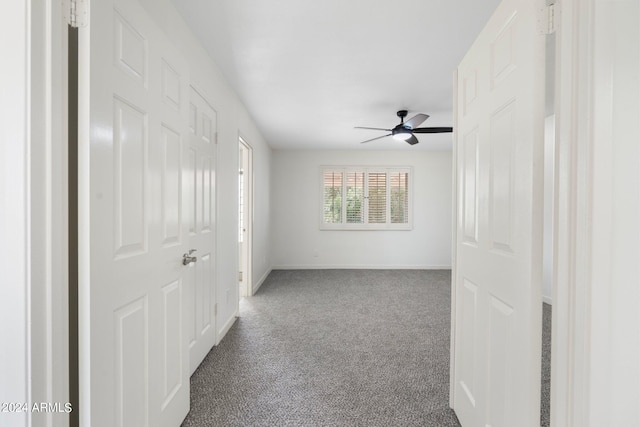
[(547, 22), (215, 309), (75, 12), (240, 276)]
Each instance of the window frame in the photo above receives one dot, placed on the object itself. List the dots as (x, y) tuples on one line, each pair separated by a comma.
[(365, 225)]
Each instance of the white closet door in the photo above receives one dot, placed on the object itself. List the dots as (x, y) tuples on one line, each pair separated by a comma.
[(133, 337), (201, 173), (499, 161)]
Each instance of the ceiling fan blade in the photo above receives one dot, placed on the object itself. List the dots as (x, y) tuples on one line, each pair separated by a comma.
[(361, 127), (433, 130), (412, 140), (373, 139), (414, 121)]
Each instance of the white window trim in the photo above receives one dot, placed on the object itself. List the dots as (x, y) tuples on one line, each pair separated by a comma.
[(344, 226)]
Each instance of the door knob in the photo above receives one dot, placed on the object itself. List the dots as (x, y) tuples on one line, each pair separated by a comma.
[(188, 259)]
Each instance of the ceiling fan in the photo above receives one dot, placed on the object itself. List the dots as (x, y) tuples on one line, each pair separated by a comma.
[(405, 130)]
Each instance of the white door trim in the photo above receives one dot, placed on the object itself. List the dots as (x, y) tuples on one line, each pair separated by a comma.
[(49, 209), (249, 195), (569, 320), (595, 238), (33, 192)]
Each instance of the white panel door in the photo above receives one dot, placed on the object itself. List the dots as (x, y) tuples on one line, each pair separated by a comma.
[(134, 357), (201, 174), (498, 271)]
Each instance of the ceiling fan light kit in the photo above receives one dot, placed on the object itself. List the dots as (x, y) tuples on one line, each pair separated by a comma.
[(402, 136), (405, 130)]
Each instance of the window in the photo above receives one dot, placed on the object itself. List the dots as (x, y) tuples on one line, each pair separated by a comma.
[(357, 198)]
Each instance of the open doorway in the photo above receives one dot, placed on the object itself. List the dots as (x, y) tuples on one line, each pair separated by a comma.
[(547, 270), (245, 220), (548, 229)]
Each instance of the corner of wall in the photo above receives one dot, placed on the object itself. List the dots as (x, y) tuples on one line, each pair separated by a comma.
[(259, 283)]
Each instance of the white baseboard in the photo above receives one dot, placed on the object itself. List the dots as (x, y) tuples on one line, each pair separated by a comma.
[(260, 282), (361, 267), (547, 299), (222, 332)]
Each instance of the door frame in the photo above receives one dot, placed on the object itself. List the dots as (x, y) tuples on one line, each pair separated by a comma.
[(34, 185), (248, 291), (587, 384)]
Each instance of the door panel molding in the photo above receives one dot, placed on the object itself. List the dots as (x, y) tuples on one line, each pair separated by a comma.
[(497, 286), (134, 123), (201, 174)]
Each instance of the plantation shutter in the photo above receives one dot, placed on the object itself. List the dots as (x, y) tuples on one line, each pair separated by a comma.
[(332, 197), (399, 183), (362, 198), (355, 197), (377, 183)]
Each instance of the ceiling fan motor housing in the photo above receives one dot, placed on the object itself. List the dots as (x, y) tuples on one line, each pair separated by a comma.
[(400, 129), (405, 131)]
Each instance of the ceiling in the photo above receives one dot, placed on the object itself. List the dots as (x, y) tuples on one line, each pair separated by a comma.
[(309, 71)]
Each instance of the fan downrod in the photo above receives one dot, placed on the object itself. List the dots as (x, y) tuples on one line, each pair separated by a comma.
[(402, 114)]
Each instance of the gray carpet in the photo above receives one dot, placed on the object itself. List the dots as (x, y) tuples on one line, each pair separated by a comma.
[(333, 348), (546, 366)]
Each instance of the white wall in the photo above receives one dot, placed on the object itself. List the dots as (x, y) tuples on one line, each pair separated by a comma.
[(614, 231), (297, 238), (233, 120)]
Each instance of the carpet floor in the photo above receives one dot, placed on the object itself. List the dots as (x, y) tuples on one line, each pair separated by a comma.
[(332, 348), (545, 394)]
